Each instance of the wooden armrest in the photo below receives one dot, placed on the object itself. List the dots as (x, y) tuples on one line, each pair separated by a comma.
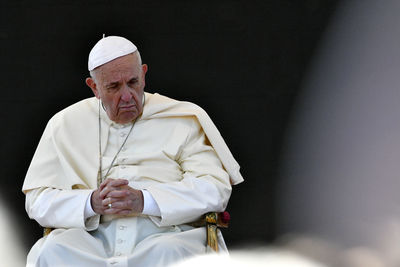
[(47, 231), (213, 221)]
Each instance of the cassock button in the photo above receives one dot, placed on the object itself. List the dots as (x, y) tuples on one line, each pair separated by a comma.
[(122, 134), (118, 254), (119, 241), (121, 227)]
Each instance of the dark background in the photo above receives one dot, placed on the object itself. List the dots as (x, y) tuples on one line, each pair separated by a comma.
[(242, 61)]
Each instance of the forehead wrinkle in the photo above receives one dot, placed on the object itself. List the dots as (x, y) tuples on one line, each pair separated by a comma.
[(137, 61), (127, 67), (118, 76)]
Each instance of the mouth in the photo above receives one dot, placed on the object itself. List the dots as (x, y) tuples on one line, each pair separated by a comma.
[(127, 107)]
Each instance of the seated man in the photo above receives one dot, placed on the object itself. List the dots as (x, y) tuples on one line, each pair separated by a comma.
[(122, 175)]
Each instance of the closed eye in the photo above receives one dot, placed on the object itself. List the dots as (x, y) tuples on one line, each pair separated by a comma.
[(133, 81), (112, 86)]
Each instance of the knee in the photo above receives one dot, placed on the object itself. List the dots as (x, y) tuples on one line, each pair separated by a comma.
[(171, 247), (167, 245), (52, 243)]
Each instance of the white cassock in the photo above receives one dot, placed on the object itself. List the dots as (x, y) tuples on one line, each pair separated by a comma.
[(174, 152)]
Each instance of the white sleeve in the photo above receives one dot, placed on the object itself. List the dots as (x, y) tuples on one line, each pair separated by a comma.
[(57, 208), (205, 186), (150, 206)]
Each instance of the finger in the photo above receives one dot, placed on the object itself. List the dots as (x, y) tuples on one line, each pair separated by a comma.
[(118, 194), (115, 203), (122, 204), (113, 182), (107, 201), (123, 212), (104, 192), (110, 211), (105, 182), (102, 188), (117, 211), (114, 185), (111, 186), (118, 182)]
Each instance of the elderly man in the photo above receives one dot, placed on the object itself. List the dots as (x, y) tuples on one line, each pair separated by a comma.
[(122, 175)]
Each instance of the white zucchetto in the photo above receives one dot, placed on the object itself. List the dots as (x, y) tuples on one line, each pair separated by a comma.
[(109, 48)]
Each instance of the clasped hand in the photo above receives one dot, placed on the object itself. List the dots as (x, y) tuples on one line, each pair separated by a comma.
[(124, 199)]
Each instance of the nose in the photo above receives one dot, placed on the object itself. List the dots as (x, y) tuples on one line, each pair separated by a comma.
[(126, 95)]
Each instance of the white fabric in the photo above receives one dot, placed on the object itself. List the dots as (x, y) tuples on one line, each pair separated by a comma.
[(109, 48), (58, 151), (47, 195), (150, 206), (168, 156), (166, 107), (124, 242), (60, 208)]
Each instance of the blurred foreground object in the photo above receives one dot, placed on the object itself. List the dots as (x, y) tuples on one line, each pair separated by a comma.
[(254, 258), (340, 171), (11, 251)]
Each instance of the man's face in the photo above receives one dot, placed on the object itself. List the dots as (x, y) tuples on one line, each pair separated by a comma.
[(120, 84)]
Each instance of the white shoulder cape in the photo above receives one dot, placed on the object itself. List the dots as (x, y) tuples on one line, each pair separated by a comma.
[(67, 156)]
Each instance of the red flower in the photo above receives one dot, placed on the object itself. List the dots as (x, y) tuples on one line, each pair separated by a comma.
[(225, 217)]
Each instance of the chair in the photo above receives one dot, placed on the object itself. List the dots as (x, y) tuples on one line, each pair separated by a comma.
[(212, 221)]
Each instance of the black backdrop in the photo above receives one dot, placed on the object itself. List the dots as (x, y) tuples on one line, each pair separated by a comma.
[(242, 61)]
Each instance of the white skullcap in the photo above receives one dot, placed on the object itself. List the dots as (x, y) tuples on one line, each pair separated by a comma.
[(109, 48)]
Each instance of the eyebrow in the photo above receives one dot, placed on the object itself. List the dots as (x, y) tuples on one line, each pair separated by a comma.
[(112, 84)]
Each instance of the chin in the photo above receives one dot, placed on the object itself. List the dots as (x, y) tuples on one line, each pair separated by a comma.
[(126, 118)]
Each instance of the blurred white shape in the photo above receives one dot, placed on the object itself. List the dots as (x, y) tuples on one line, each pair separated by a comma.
[(255, 258), (332, 254), (311, 247), (12, 253), (341, 165), (360, 257)]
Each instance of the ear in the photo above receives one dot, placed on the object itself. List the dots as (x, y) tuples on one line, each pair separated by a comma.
[(144, 69), (91, 83)]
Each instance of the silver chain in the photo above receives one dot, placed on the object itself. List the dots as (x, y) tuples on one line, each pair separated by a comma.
[(100, 177)]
